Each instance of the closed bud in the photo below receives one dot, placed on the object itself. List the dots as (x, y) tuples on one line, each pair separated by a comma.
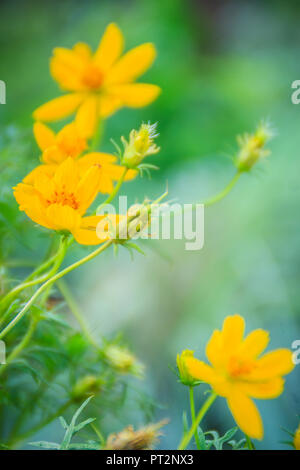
[(87, 386), (185, 377), (123, 361), (252, 147)]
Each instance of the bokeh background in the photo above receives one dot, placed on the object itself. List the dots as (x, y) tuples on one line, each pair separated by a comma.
[(223, 66)]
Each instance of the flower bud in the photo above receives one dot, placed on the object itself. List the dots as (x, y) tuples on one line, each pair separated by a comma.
[(88, 385), (122, 360), (140, 145), (252, 147), (185, 377)]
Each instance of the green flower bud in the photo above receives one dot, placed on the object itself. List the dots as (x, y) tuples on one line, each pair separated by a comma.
[(252, 147), (185, 377), (140, 145)]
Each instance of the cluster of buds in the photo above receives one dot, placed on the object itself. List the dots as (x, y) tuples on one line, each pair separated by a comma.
[(252, 147), (123, 360), (141, 144), (142, 439), (184, 375)]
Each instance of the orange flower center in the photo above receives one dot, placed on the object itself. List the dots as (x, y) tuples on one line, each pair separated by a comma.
[(92, 77), (239, 366), (63, 198)]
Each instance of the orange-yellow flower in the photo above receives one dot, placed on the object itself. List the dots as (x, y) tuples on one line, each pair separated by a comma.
[(58, 201), (238, 372), (56, 148), (297, 439), (99, 83), (69, 143)]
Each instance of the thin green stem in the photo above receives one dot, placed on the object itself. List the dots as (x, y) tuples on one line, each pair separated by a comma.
[(49, 283), (30, 282), (188, 436), (193, 414), (224, 192), (67, 294), (98, 433), (250, 444), (97, 136), (114, 192), (21, 346)]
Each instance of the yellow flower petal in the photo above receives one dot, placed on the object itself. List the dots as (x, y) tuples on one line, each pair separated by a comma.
[(109, 171), (133, 64), (53, 156), (29, 202), (35, 174), (88, 188), (44, 136), (200, 370), (272, 364), (63, 217), (232, 333), (87, 117), (58, 108), (108, 104), (69, 58), (83, 50), (110, 47), (263, 390), (246, 414), (255, 343), (67, 175), (67, 78), (86, 234), (214, 349), (135, 95)]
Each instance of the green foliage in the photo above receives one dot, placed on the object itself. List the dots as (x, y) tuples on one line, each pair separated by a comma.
[(71, 429)]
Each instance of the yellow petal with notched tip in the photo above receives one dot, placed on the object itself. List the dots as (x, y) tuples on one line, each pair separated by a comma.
[(44, 136), (135, 95), (110, 47), (58, 108), (133, 64)]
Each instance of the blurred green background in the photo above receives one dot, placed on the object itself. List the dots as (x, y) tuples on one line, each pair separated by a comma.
[(223, 66)]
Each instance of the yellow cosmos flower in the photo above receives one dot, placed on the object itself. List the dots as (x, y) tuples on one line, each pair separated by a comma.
[(99, 83), (69, 143), (56, 148), (297, 439), (238, 372), (59, 200)]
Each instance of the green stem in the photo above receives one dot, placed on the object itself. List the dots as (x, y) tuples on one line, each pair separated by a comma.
[(67, 294), (22, 345), (114, 192), (193, 414), (224, 192), (187, 437), (250, 444), (57, 258), (97, 136), (49, 283)]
